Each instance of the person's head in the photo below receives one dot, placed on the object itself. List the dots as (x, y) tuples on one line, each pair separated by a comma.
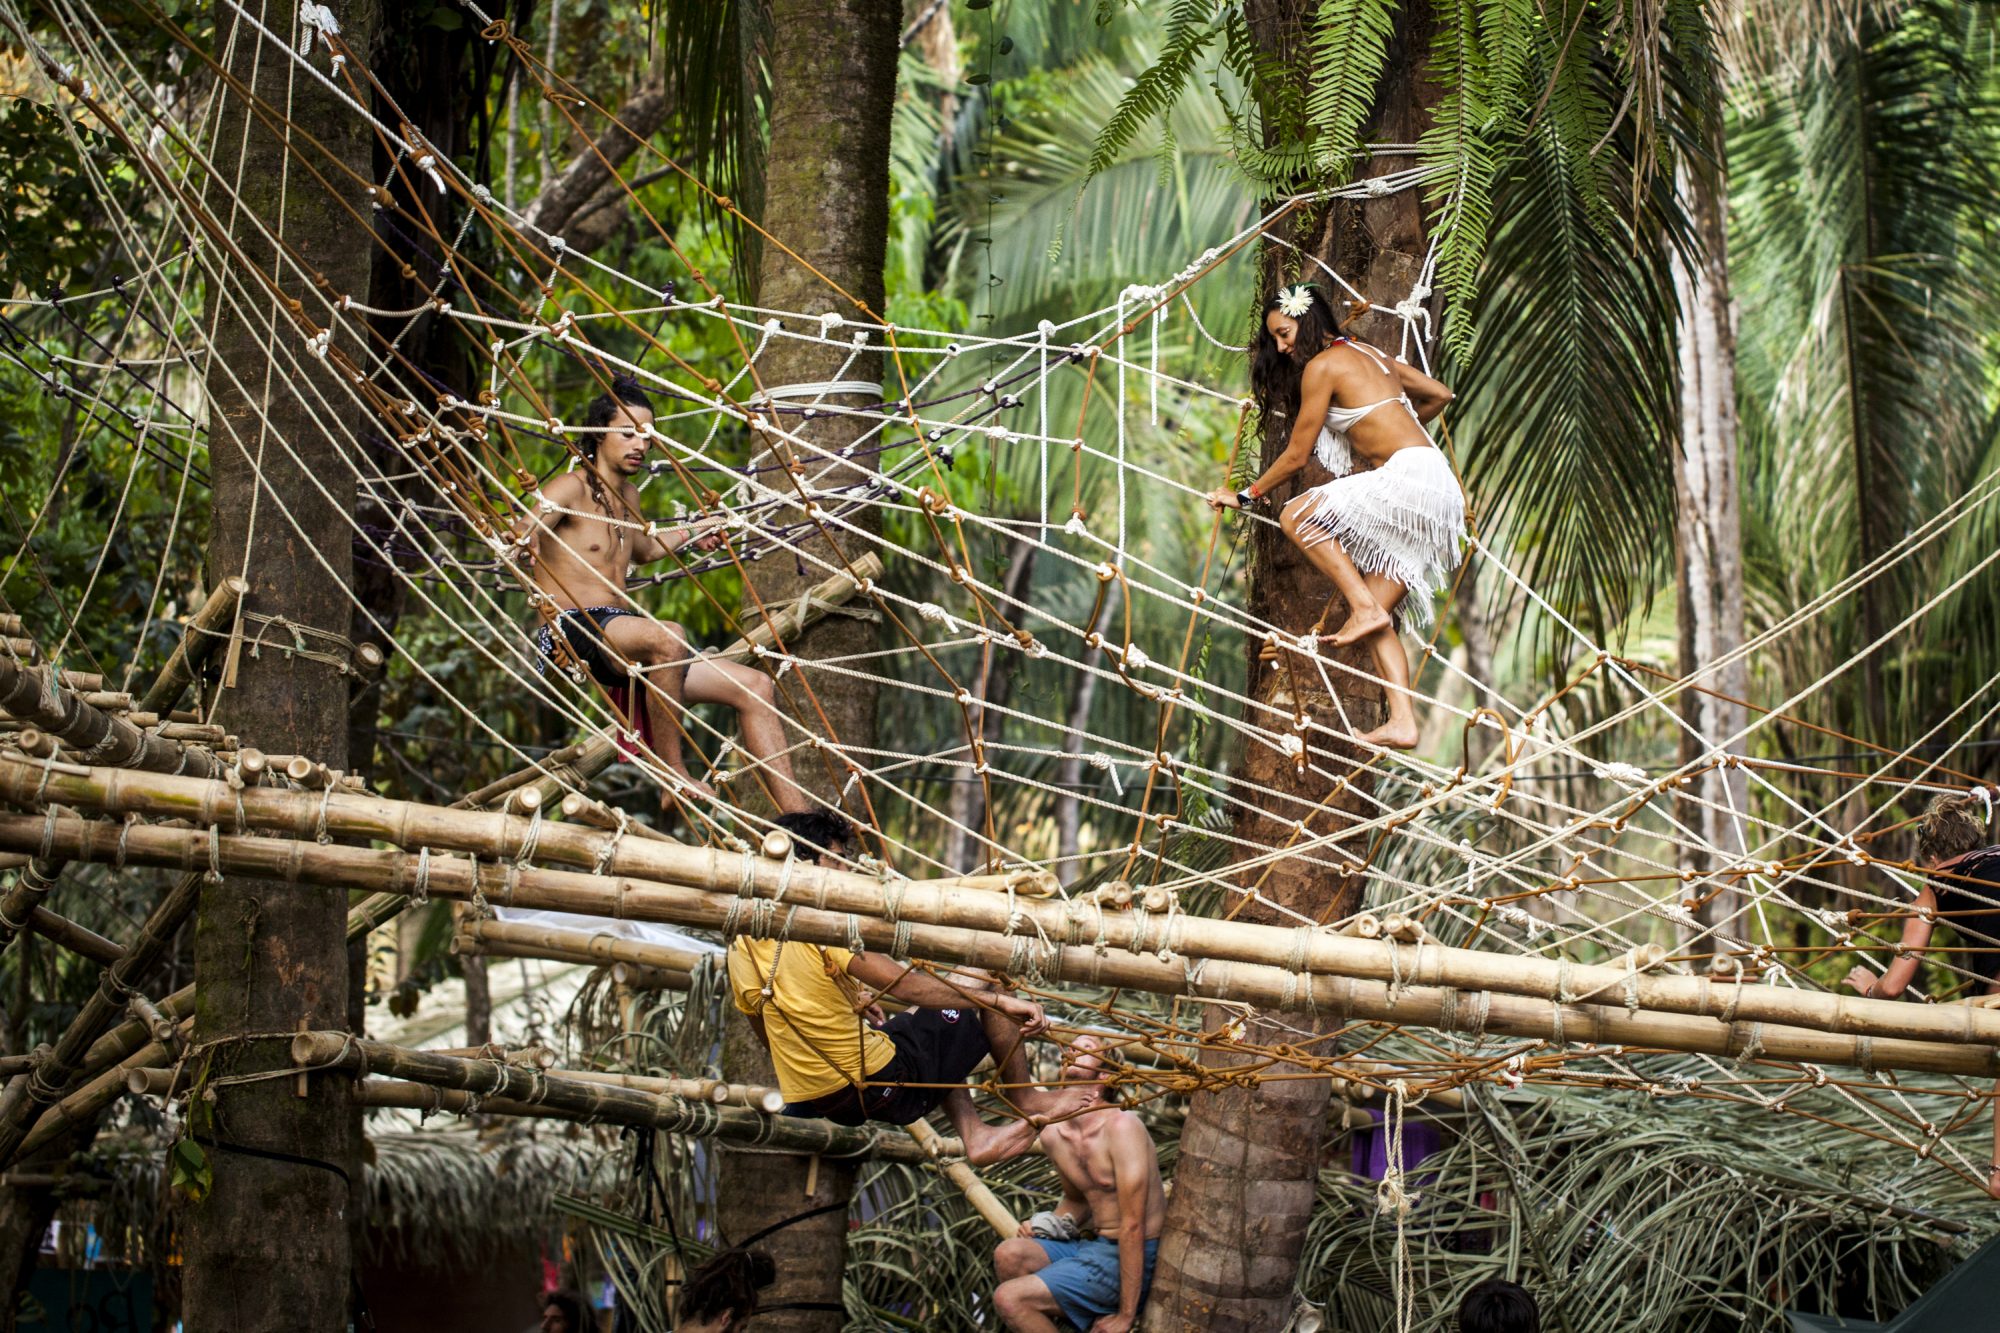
[(1952, 826), (1083, 1062), (1499, 1306), (1296, 326), (817, 833), (721, 1295), (562, 1312), (612, 423)]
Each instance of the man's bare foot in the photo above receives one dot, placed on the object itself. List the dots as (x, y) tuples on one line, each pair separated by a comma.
[(1361, 623), (1392, 735)]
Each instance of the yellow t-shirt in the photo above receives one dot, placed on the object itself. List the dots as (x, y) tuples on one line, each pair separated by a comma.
[(818, 1043)]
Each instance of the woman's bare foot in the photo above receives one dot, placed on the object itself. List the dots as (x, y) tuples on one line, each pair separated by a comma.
[(1362, 622), (1393, 735)]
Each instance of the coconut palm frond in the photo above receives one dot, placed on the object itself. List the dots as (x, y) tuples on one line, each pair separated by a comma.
[(1871, 351)]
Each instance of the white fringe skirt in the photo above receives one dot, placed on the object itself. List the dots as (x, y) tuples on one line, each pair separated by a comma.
[(1404, 520)]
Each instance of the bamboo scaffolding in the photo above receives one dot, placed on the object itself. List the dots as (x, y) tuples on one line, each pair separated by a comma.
[(1029, 932), (32, 695), (122, 1041), (1445, 1008), (197, 644), (98, 1012), (87, 1101), (534, 1093)]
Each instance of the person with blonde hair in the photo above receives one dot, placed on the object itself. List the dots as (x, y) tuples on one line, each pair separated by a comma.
[(1962, 888)]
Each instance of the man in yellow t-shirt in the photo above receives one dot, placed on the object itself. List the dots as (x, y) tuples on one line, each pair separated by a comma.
[(837, 1059)]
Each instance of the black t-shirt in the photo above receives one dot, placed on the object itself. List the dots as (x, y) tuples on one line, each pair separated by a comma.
[(1968, 896)]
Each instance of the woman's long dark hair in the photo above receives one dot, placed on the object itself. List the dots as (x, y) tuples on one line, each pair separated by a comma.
[(1274, 376)]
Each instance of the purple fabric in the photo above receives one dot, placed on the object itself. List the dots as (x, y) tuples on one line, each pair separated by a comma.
[(1370, 1147)]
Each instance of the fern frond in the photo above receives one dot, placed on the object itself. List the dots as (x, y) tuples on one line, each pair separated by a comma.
[(1191, 27), (1349, 44), (1459, 141)]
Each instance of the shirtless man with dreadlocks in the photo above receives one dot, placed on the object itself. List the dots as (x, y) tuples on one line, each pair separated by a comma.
[(583, 538)]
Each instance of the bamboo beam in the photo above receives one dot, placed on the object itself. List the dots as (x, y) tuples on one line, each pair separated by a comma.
[(534, 1092), (1444, 1008), (812, 607), (960, 1173), (546, 766), (197, 644), (24, 896), (635, 976), (768, 1100), (82, 941), (1026, 926)]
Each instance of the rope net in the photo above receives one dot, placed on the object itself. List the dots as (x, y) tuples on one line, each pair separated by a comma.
[(1033, 499)]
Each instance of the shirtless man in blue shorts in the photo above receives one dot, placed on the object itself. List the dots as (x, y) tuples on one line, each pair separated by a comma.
[(1111, 1183)]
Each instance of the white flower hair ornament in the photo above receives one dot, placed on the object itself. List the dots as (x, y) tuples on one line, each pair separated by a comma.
[(1294, 301)]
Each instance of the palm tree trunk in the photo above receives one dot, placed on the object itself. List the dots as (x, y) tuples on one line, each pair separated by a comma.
[(269, 1246), (1249, 1163), (826, 195), (1708, 531)]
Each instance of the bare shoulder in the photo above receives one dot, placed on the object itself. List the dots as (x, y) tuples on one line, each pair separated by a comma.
[(1130, 1129), (563, 487)]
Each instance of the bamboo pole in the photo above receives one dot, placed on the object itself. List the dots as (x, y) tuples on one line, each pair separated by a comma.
[(768, 1100), (547, 765), (1026, 927), (197, 643), (634, 976), (960, 1173), (813, 606), (321, 1052), (79, 940), (1445, 1008)]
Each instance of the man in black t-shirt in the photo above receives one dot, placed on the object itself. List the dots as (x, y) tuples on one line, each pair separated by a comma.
[(1963, 891)]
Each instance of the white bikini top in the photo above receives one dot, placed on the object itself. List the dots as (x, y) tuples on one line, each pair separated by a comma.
[(1333, 451)]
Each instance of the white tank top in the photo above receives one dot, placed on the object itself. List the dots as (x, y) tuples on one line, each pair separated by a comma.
[(1333, 451)]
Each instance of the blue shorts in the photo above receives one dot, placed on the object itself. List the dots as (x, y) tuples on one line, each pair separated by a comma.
[(1083, 1277)]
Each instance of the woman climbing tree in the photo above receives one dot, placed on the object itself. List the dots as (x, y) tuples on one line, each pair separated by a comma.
[(1391, 521)]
